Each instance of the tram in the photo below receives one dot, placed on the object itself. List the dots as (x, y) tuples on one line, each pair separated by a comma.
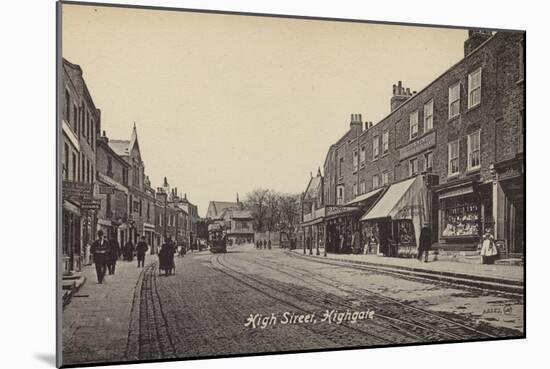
[(217, 238)]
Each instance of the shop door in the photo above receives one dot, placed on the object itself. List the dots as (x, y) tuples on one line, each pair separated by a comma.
[(516, 225)]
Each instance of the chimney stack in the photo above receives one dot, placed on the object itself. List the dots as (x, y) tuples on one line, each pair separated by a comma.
[(475, 38), (400, 95), (356, 124)]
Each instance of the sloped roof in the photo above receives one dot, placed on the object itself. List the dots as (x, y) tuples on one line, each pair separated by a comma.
[(215, 208), (120, 147), (313, 187)]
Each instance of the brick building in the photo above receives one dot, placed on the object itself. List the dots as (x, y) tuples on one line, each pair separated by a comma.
[(112, 176), (450, 155), (80, 124), (141, 197)]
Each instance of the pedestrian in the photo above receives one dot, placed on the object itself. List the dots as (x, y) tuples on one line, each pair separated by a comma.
[(424, 243), (269, 244), (112, 255), (265, 244), (141, 248), (489, 250), (166, 257), (129, 250), (99, 250)]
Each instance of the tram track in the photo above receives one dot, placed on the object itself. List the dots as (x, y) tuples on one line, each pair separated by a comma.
[(263, 288), (431, 325)]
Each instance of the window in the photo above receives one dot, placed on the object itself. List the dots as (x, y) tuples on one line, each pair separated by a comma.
[(140, 207), (108, 207), (341, 167), (148, 210), (454, 100), (136, 206), (87, 171), (354, 189), (413, 167), (363, 156), (109, 166), (355, 161), (375, 148), (65, 162), (74, 174), (362, 187), (429, 115), (453, 158), (375, 181), (385, 178), (82, 171), (75, 118), (474, 161), (67, 105), (428, 160), (413, 124), (339, 195), (474, 88), (385, 142)]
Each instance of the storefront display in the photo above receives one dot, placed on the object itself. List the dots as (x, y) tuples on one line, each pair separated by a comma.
[(405, 232), (460, 216)]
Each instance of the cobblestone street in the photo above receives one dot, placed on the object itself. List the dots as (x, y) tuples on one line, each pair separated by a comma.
[(203, 309)]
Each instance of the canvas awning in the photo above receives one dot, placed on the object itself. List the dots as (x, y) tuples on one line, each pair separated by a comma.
[(403, 200), (366, 196)]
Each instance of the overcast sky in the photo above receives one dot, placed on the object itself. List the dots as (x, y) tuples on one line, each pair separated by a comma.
[(226, 103)]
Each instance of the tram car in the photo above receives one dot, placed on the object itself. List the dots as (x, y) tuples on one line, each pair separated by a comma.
[(217, 238)]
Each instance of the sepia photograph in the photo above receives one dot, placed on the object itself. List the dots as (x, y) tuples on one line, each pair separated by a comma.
[(238, 184)]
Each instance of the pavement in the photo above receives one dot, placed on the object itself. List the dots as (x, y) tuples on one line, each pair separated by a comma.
[(97, 318), (504, 278)]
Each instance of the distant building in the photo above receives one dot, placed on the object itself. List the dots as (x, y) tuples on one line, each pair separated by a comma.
[(238, 222)]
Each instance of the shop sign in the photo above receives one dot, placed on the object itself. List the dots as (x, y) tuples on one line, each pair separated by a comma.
[(510, 172), (106, 190), (77, 191), (417, 146), (457, 192), (90, 205), (333, 210)]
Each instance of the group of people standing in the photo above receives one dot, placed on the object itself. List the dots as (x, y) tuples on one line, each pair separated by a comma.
[(263, 244), (106, 252)]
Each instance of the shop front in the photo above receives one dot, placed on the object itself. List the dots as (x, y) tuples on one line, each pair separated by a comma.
[(71, 244), (509, 207), (465, 213), (392, 226)]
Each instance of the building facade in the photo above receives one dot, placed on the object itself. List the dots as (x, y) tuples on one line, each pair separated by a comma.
[(462, 136), (80, 124)]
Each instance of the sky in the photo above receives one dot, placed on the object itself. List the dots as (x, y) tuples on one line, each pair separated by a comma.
[(225, 103)]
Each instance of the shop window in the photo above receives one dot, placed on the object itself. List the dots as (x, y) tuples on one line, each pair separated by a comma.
[(474, 88), (453, 158), (413, 167), (413, 125), (454, 100), (474, 161), (385, 142), (375, 148), (460, 216), (429, 115), (405, 232)]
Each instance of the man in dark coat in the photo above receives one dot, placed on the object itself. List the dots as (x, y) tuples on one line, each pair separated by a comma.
[(113, 255), (100, 249), (141, 248), (129, 250), (424, 243)]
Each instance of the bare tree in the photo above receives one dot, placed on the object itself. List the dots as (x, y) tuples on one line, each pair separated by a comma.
[(290, 211), (273, 201), (256, 201)]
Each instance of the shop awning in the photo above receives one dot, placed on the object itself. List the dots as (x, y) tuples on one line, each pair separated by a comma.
[(366, 196), (403, 200)]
